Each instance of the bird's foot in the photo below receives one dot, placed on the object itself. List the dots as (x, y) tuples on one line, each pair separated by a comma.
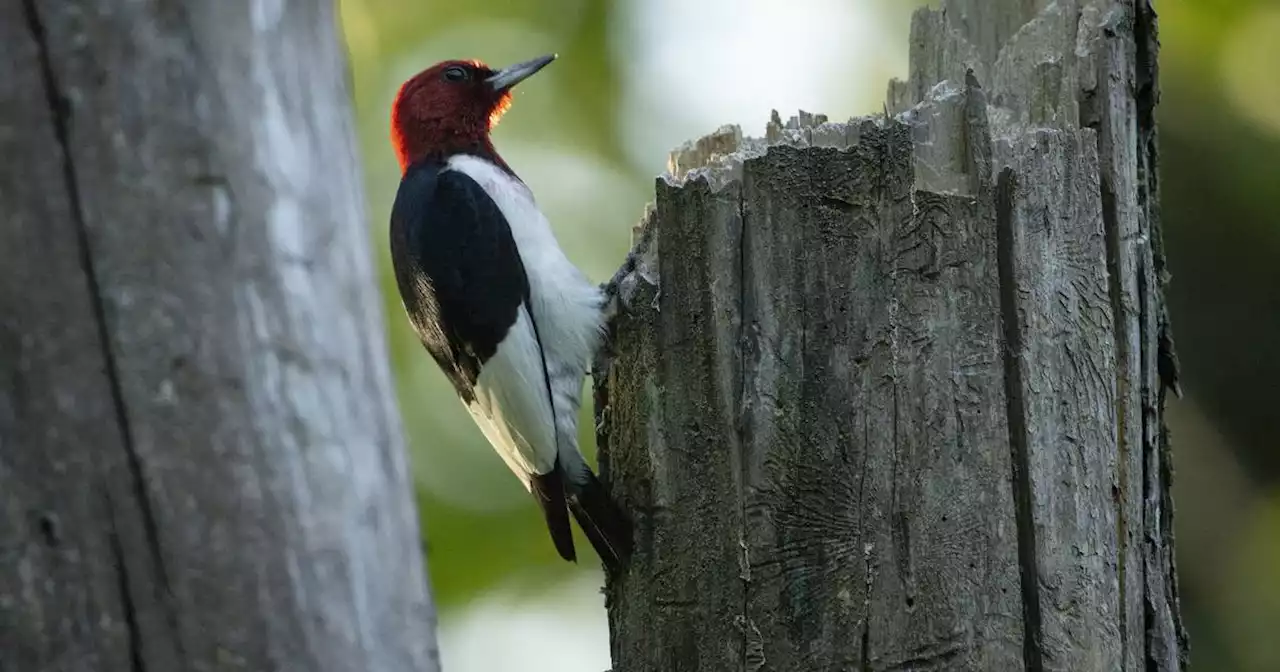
[(618, 293), (602, 421), (616, 301)]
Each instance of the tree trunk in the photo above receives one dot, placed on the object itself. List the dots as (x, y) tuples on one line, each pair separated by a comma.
[(201, 465), (889, 393)]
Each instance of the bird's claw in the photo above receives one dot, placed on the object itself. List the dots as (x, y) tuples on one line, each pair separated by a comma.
[(615, 300)]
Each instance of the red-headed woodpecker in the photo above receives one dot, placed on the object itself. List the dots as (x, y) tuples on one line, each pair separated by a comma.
[(495, 301)]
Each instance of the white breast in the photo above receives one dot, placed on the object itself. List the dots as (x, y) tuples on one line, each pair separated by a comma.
[(564, 304)]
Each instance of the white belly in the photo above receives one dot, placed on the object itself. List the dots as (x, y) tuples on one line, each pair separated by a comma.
[(565, 305)]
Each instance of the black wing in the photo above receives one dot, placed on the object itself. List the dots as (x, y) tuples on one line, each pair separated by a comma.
[(462, 282), (457, 269)]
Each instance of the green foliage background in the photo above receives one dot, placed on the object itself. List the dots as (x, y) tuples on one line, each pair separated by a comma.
[(1220, 120)]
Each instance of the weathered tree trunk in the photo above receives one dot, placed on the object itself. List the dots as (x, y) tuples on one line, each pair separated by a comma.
[(201, 465), (889, 393)]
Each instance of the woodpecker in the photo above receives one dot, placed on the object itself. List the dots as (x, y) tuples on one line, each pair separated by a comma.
[(508, 318)]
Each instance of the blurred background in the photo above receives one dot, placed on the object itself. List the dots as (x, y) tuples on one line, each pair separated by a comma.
[(638, 77)]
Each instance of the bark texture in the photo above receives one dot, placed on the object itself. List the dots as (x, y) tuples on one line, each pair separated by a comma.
[(200, 459), (888, 394)]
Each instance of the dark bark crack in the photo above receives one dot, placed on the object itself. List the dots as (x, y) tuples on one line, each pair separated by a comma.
[(1032, 652), (137, 661), (60, 112), (1116, 290)]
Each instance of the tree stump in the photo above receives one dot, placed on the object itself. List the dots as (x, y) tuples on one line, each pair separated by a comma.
[(888, 394)]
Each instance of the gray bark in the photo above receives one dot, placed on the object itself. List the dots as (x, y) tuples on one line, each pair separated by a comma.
[(201, 465), (888, 394)]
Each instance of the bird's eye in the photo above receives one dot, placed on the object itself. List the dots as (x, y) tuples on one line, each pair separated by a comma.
[(455, 74)]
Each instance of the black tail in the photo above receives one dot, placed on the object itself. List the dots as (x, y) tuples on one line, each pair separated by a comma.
[(548, 489), (606, 526)]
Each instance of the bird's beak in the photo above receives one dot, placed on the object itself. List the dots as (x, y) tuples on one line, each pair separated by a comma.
[(504, 79)]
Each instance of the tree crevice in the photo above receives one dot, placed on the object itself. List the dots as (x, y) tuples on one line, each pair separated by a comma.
[(60, 115), (137, 660), (1006, 250)]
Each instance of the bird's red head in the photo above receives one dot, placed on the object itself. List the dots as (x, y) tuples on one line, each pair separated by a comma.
[(451, 106)]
